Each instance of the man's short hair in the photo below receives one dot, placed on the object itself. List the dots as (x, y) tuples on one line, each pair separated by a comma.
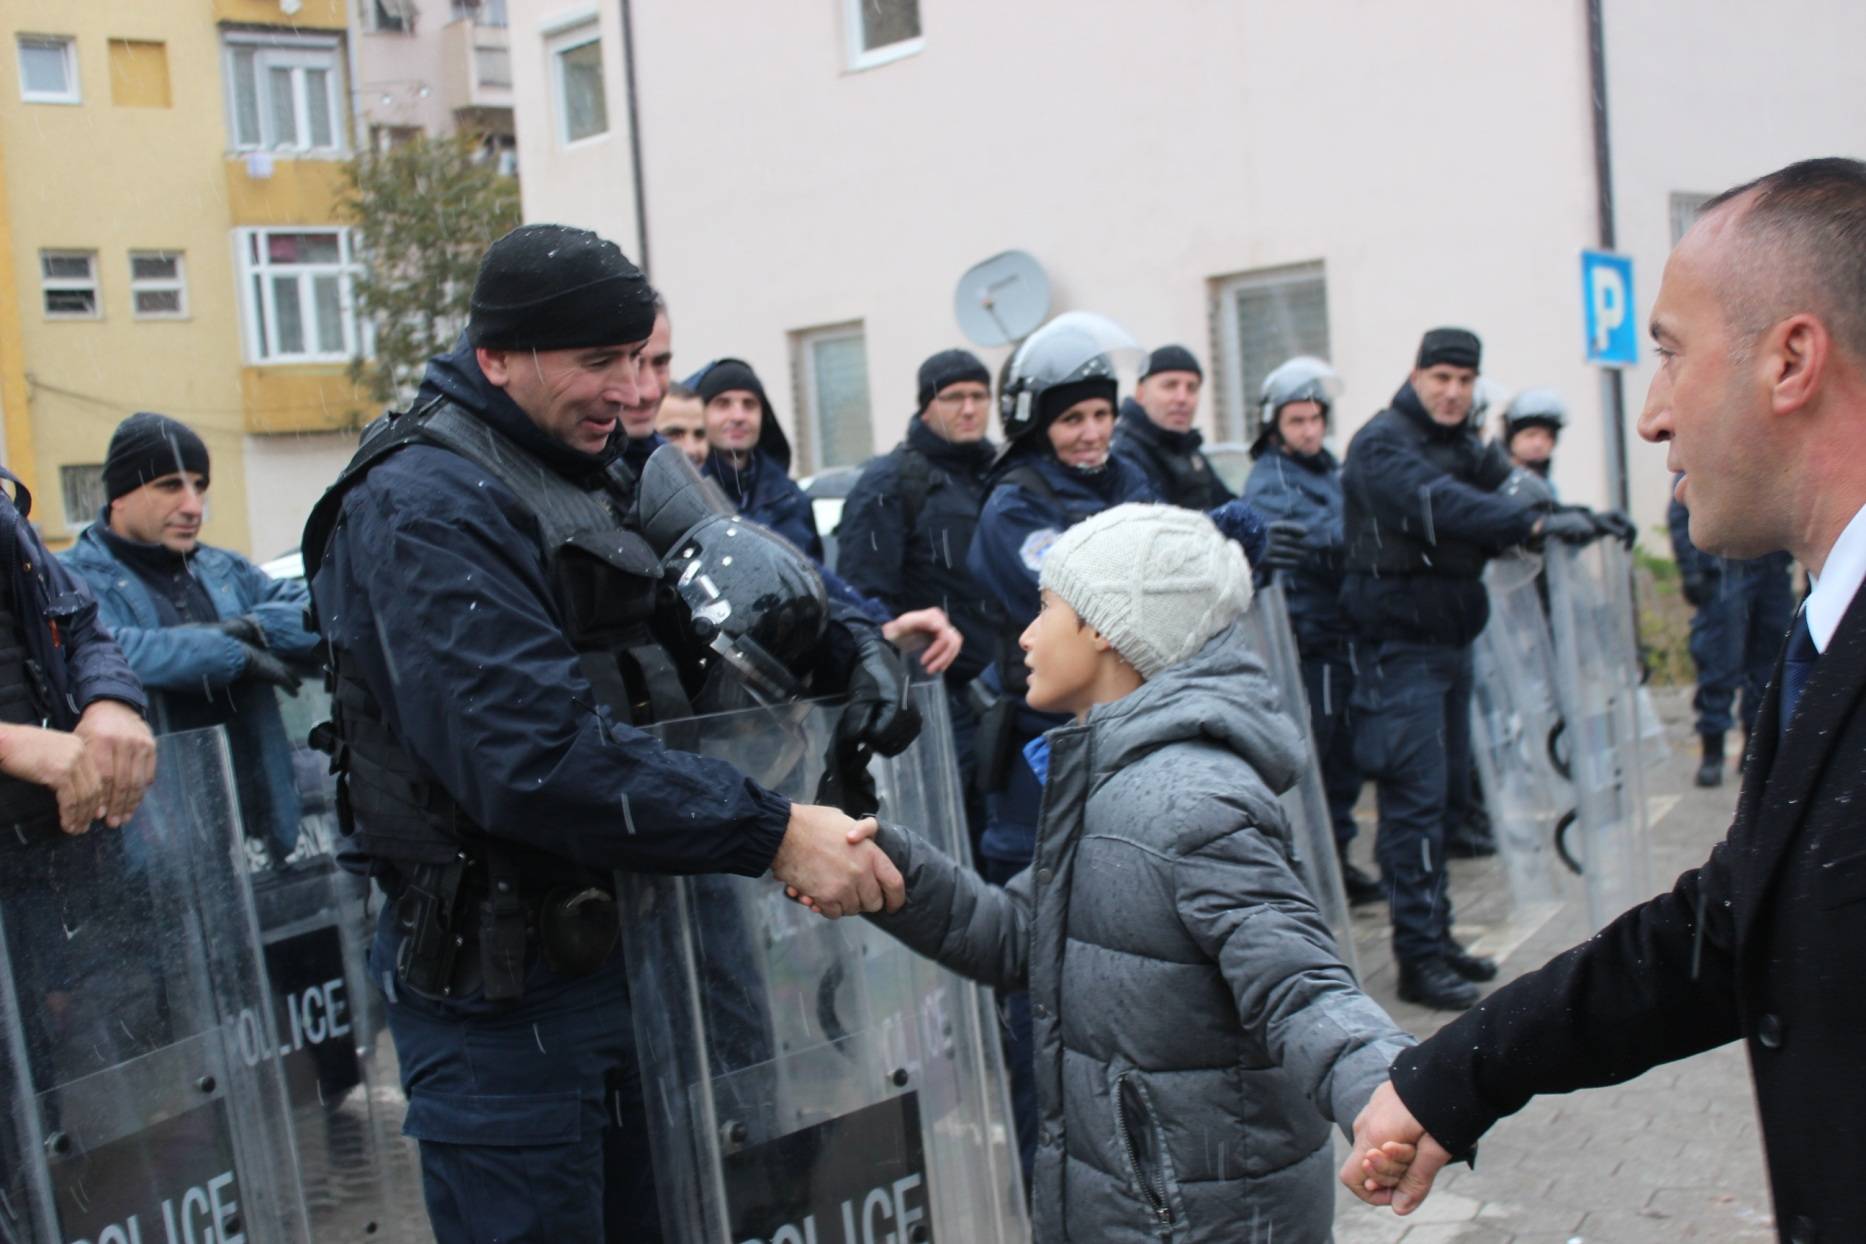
[(1803, 234), (680, 392)]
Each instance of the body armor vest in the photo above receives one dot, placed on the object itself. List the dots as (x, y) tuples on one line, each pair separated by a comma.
[(605, 580)]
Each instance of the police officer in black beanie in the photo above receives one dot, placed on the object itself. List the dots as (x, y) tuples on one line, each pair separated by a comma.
[(484, 589), (1155, 434)]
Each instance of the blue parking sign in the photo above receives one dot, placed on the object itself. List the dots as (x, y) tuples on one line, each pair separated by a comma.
[(1607, 308)]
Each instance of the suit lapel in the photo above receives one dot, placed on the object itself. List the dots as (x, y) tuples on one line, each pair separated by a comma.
[(1773, 807)]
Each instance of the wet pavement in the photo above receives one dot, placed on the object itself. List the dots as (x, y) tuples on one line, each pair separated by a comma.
[(1673, 1155)]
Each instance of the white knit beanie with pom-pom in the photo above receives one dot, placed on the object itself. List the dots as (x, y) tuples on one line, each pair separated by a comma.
[(1157, 581)]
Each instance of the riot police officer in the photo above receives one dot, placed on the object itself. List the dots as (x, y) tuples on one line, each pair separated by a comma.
[(499, 626), (1154, 433), (1296, 477), (1422, 516), (1532, 425)]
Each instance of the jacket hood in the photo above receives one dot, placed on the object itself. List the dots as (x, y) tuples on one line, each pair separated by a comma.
[(456, 376), (1223, 695), (772, 443)]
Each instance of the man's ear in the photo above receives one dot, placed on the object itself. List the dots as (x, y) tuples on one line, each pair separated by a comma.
[(1796, 357), (495, 365)]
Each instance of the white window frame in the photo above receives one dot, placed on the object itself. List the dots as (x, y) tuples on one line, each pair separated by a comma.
[(73, 92), (564, 36), (66, 284), (869, 58), (298, 55), (403, 11), (812, 415), (78, 522), (1238, 405), (259, 320), (177, 285)]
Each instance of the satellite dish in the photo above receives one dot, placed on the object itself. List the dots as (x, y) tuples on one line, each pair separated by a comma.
[(1002, 300)]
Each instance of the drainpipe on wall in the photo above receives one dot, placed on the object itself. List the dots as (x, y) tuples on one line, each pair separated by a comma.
[(634, 137), (1612, 387)]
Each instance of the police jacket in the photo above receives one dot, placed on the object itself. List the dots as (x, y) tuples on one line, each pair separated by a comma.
[(1307, 490), (187, 660), (1760, 944), (69, 653), (435, 590), (1422, 517), (905, 531), (1172, 462), (763, 491)]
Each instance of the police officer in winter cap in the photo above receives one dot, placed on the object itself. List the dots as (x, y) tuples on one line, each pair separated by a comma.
[(491, 678), (1154, 433)]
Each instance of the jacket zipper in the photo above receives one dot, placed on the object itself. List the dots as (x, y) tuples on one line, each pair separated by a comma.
[(1156, 1198)]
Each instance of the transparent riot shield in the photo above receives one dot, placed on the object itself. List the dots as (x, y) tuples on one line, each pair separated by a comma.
[(811, 1080), (1518, 740), (149, 1107), (1597, 664), (359, 1174), (1306, 803)]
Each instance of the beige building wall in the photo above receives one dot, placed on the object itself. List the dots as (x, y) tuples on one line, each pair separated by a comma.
[(1436, 159)]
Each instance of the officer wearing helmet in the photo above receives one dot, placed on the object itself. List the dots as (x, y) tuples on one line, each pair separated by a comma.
[(1532, 425), (502, 615), (1297, 478)]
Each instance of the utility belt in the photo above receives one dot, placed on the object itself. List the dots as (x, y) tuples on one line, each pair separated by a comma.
[(467, 925)]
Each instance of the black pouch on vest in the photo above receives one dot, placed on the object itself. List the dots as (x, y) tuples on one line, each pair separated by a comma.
[(996, 729)]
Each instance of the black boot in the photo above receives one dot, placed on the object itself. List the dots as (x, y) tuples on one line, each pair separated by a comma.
[(1474, 839), (1710, 768), (1432, 983), (1467, 965), (1360, 888)]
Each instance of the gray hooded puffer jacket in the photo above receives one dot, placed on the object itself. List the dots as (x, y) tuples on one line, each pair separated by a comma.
[(1194, 1024)]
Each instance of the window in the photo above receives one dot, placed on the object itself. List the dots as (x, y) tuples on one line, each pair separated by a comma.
[(1264, 318), (389, 16), (138, 74), (833, 384), (83, 489), (48, 70), (158, 286), (1685, 209), (881, 31), (295, 291), (577, 71), (69, 279), (285, 96), (485, 12)]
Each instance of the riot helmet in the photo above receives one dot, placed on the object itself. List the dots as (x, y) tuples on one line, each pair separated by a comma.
[(1534, 408), (1300, 379), (1071, 358), (752, 599)]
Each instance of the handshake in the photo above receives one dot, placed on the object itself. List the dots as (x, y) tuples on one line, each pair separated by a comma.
[(829, 863)]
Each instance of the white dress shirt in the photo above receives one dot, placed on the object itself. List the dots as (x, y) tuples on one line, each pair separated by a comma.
[(1832, 591)]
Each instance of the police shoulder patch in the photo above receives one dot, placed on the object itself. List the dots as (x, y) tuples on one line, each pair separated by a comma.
[(1035, 545)]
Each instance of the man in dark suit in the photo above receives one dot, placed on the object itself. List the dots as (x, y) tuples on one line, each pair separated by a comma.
[(1760, 329)]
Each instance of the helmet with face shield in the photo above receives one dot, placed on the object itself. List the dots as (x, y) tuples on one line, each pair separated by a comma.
[(1073, 357), (1301, 379)]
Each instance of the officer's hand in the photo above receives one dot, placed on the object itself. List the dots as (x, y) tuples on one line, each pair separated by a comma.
[(1697, 590), (879, 713), (1285, 545), (245, 629), (825, 871), (61, 763), (931, 628), (262, 666), (1569, 526), (124, 754), (1616, 526)]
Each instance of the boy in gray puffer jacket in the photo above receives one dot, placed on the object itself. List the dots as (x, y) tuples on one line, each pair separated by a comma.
[(1194, 1024)]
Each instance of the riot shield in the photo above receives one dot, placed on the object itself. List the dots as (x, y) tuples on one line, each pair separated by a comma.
[(1305, 804), (810, 1079), (148, 1106), (1518, 741), (1597, 665)]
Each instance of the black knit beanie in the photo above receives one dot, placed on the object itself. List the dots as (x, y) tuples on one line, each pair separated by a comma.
[(1054, 400), (946, 368), (552, 287), (1172, 358), (725, 376), (1457, 346), (146, 447)]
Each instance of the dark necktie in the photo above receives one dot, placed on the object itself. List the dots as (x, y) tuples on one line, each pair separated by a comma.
[(1797, 664)]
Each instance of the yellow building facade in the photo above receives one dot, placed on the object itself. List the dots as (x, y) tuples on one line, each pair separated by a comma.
[(170, 222)]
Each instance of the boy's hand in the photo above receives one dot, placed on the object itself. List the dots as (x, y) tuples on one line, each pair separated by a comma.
[(830, 877), (1384, 1122), (1385, 1166)]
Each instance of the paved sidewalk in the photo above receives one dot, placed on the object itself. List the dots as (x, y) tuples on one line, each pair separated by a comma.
[(1673, 1155)]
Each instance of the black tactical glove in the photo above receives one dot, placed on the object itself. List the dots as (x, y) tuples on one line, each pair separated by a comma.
[(1570, 527), (879, 714), (245, 629), (1617, 526), (1285, 545), (263, 667)]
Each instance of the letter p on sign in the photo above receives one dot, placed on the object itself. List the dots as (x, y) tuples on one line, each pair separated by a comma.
[(1607, 309)]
